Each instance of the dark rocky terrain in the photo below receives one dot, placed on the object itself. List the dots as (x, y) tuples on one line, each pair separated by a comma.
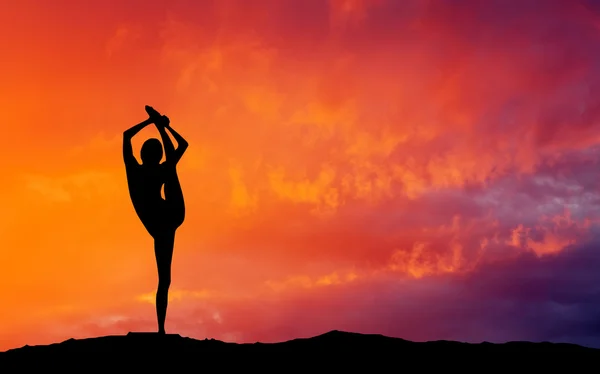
[(334, 350)]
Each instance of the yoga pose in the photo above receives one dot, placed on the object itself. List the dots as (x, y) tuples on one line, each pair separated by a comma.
[(161, 217)]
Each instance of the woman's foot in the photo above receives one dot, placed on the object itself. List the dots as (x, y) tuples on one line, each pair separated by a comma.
[(152, 113)]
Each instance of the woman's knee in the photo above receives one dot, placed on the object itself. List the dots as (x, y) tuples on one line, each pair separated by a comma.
[(164, 283), (164, 274)]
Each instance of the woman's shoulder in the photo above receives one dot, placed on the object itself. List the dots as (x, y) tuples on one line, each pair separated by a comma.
[(167, 166)]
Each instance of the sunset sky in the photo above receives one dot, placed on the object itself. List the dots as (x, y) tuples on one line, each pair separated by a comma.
[(418, 168)]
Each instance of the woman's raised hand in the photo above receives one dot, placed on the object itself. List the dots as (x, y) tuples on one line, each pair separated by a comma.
[(164, 121)]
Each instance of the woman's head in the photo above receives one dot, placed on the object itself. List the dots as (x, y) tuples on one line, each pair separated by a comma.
[(152, 152)]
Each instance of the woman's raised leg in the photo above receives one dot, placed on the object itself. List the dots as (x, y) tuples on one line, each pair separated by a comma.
[(175, 202)]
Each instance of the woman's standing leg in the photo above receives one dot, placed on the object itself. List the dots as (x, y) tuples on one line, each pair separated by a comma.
[(163, 250)]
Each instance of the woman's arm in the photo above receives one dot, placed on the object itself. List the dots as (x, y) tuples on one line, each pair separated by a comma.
[(127, 147), (182, 144), (167, 143), (172, 155)]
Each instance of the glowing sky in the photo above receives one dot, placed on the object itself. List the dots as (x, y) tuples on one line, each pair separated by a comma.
[(420, 169)]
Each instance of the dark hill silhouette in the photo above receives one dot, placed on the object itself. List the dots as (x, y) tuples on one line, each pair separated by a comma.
[(334, 349)]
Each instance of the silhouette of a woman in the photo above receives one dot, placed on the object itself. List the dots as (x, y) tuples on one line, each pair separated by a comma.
[(161, 217)]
